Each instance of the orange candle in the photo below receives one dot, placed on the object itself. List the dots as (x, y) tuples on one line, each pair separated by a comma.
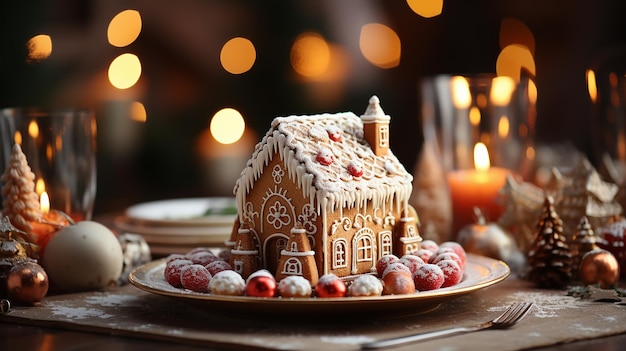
[(476, 188), (49, 224)]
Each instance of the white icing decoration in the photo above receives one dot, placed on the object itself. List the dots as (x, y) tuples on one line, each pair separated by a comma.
[(278, 174), (318, 133), (339, 248), (277, 215), (308, 218)]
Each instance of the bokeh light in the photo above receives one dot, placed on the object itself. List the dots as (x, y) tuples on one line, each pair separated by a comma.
[(124, 28), (238, 55), (426, 8), (514, 31), (138, 112), (380, 45), (227, 126), (310, 55), (39, 48), (124, 71), (513, 59), (592, 87)]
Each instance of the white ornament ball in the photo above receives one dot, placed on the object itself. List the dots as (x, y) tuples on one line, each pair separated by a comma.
[(84, 256)]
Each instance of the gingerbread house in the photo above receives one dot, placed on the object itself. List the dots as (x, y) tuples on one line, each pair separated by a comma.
[(334, 176)]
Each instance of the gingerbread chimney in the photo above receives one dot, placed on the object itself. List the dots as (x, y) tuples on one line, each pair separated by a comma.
[(376, 127), (297, 258)]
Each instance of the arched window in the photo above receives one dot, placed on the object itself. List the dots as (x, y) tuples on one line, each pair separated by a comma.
[(339, 253), (292, 266), (386, 243), (364, 249)]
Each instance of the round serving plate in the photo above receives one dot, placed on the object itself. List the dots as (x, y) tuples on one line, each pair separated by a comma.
[(480, 272)]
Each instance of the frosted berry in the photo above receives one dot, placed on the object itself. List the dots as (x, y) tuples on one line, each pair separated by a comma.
[(429, 245), (425, 254), (428, 277), (451, 272), (195, 277), (412, 262), (383, 262), (218, 266), (355, 169), (458, 249), (448, 256), (173, 269), (398, 283), (334, 133), (396, 267)]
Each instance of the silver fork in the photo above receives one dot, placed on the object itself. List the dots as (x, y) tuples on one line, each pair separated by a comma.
[(512, 315)]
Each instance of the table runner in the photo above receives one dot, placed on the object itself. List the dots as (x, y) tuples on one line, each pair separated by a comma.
[(557, 318)]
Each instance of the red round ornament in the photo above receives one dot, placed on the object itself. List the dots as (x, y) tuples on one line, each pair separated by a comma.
[(329, 285), (261, 286)]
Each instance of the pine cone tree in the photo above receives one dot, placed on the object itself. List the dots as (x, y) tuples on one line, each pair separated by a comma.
[(583, 241), (549, 258), (20, 201)]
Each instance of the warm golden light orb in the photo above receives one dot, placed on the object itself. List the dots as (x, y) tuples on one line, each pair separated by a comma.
[(227, 126), (238, 55), (39, 48), (426, 8), (310, 55), (124, 71), (124, 28), (380, 45)]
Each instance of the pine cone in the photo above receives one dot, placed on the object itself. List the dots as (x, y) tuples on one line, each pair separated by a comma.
[(549, 258), (20, 201)]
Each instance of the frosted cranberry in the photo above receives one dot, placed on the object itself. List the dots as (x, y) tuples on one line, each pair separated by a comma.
[(383, 262), (355, 169), (174, 257), (203, 258), (412, 262), (458, 249), (424, 254), (428, 277), (196, 250), (396, 267), (195, 277), (173, 269), (451, 272), (429, 245), (448, 256), (218, 266)]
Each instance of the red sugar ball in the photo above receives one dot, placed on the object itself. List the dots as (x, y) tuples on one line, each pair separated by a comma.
[(428, 277)]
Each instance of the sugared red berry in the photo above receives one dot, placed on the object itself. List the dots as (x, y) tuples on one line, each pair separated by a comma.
[(204, 258), (458, 249), (428, 277), (195, 277), (425, 254), (383, 262), (429, 245), (411, 261), (396, 267), (218, 266), (451, 272), (448, 256), (173, 269)]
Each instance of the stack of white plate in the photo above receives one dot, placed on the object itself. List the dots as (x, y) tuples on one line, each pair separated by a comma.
[(179, 225)]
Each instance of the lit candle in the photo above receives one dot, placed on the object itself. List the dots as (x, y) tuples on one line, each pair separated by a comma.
[(477, 187), (51, 221)]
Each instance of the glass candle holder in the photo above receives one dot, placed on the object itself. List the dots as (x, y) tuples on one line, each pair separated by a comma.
[(60, 147), (479, 129)]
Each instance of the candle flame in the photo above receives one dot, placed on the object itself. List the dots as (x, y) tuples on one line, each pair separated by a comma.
[(44, 202), (481, 157)]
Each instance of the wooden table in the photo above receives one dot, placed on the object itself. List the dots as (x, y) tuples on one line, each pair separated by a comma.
[(129, 318)]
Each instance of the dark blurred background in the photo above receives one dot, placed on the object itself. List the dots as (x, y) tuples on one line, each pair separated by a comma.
[(183, 84)]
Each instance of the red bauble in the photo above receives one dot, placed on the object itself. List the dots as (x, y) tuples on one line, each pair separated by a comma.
[(261, 286), (27, 282), (329, 285)]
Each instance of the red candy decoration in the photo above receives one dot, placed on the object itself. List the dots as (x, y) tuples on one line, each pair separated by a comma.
[(355, 169), (451, 272), (329, 285), (325, 157), (334, 133), (428, 277)]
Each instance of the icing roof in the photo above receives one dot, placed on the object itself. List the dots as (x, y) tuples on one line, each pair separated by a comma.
[(330, 161)]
